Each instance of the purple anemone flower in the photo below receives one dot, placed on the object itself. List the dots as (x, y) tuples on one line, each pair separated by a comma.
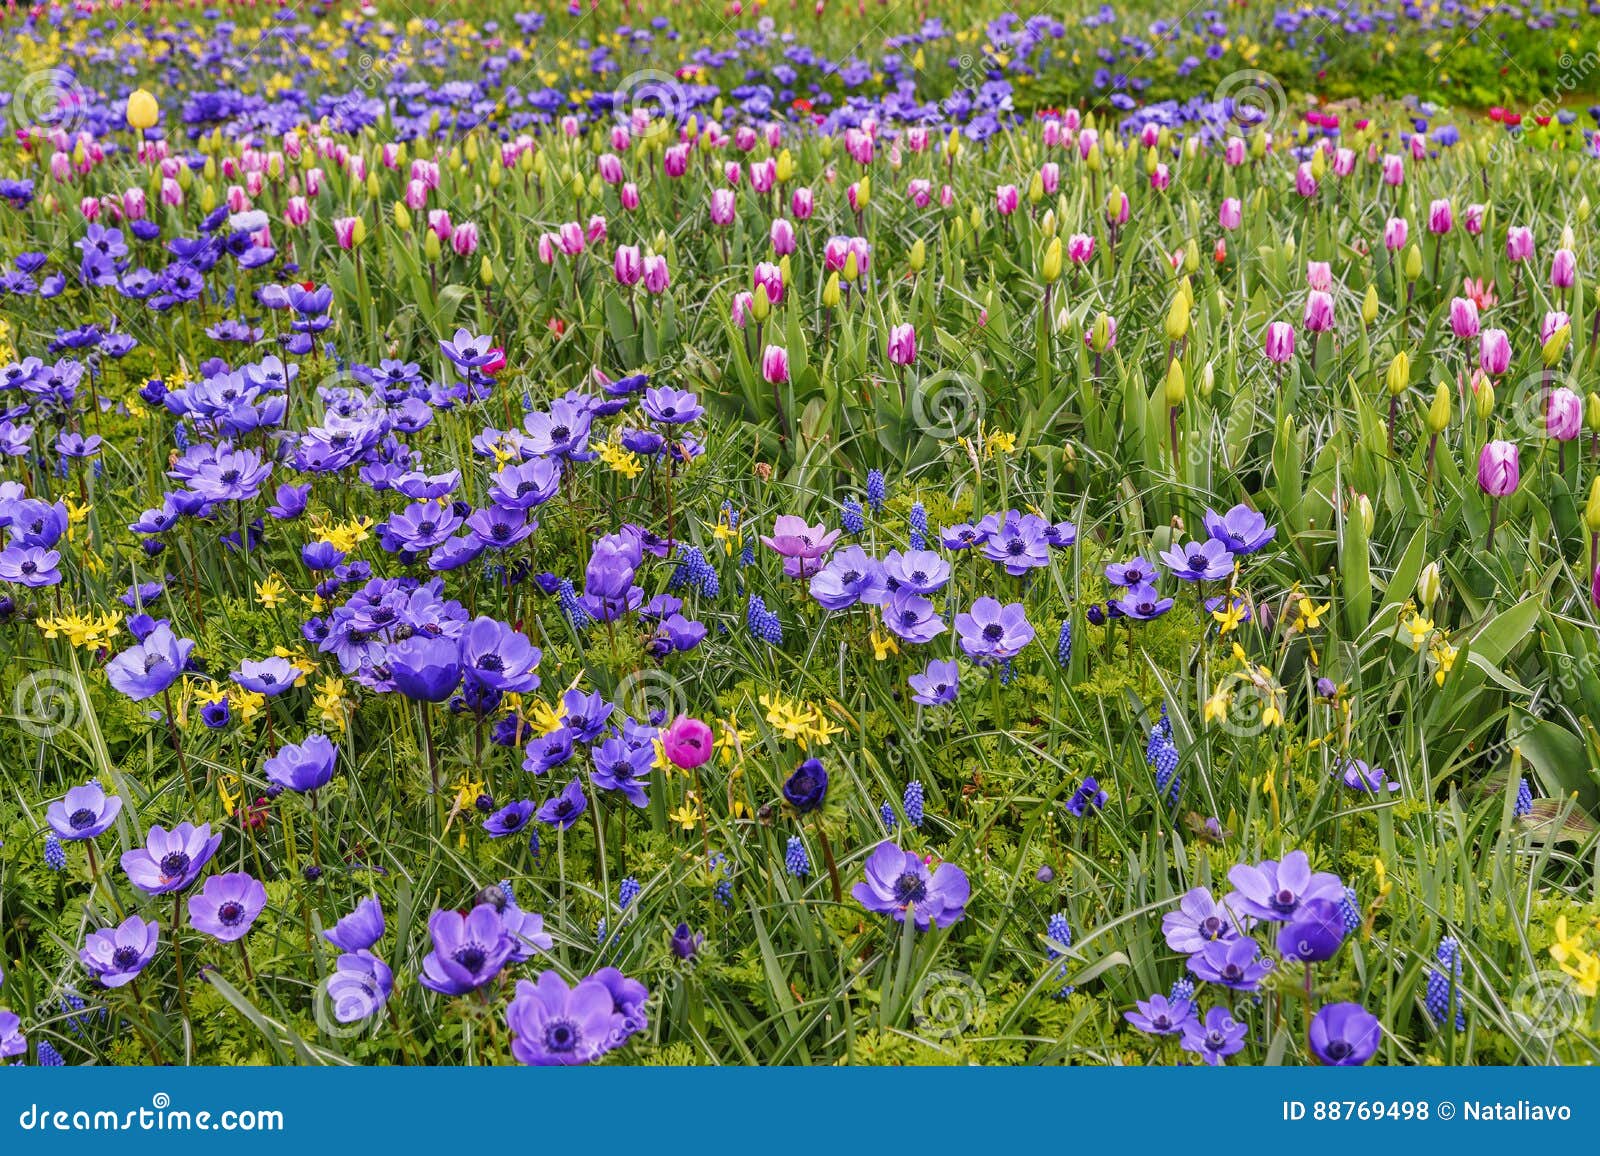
[(304, 766), (509, 819), (1314, 934), (799, 545), (359, 986), (1242, 530), (621, 767), (566, 808), (1344, 1035), (145, 670), (360, 929), (991, 632), (170, 860), (552, 1024), (1142, 603), (1159, 1016), (1199, 920), (671, 406), (117, 956), (12, 1041), (1199, 561), (852, 575), (425, 667), (1133, 572), (937, 685), (919, 571), (498, 656), (899, 881), (1235, 963), (227, 905), (83, 813), (1218, 1036), (30, 566), (1018, 543), (468, 950), (1369, 780), (269, 677), (1274, 891), (912, 618)]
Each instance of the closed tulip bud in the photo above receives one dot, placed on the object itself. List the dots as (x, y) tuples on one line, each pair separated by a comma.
[(402, 217), (1483, 399), (1399, 374), (976, 218), (143, 111), (1186, 291), (863, 192), (1556, 345), (761, 304), (1036, 189), (486, 271), (1151, 160), (1191, 257), (785, 170), (1591, 509), (1176, 386), (1208, 382), (1583, 208), (1047, 223), (1369, 305), (1100, 334), (430, 245), (1364, 512), (1319, 164), (1050, 265), (1177, 323), (1413, 262), (1063, 321), (1093, 162), (852, 267), (919, 255), (1258, 145), (209, 169), (952, 144), (1428, 585), (830, 292), (1439, 411), (1591, 413), (208, 199)]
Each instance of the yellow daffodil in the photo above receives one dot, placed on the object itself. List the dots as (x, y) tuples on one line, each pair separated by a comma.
[(1229, 616), (685, 816), (883, 645), (270, 591), (1216, 709), (1566, 946), (1419, 628), (1310, 614), (1445, 656)]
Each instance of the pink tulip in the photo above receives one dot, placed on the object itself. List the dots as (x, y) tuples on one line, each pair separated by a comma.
[(1472, 219), (1006, 199), (1394, 170), (763, 175), (1319, 312), (296, 211), (548, 244), (902, 345), (917, 138), (1233, 153), (1280, 342), (782, 237), (1441, 218), (802, 204), (344, 231), (1563, 415), (1563, 269), (1464, 317), (1395, 232), (920, 192), (744, 138), (134, 205), (1231, 215), (853, 195), (1160, 176), (769, 277), (610, 168), (675, 162), (733, 173), (630, 196), (1344, 162), (1080, 248), (1304, 182), (572, 239), (1498, 469), (722, 207), (1050, 177), (740, 311), (775, 365), (656, 275), (1118, 208), (687, 742), (1494, 352), (1553, 320), (627, 265), (1319, 276), (1519, 243), (439, 224), (465, 239)]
